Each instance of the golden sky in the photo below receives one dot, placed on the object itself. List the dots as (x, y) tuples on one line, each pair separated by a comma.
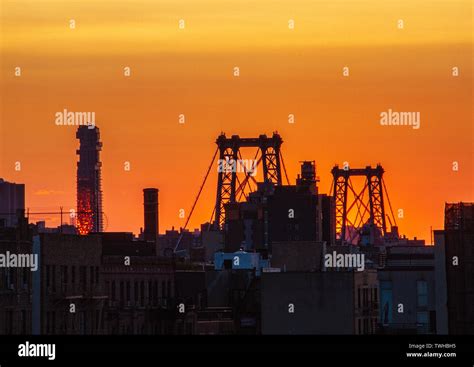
[(282, 71)]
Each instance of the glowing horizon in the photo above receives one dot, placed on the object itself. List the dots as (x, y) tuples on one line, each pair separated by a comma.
[(282, 71)]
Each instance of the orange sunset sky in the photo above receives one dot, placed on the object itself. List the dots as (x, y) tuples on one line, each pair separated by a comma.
[(282, 71)]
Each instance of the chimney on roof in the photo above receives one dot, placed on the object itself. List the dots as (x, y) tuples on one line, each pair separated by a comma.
[(150, 206)]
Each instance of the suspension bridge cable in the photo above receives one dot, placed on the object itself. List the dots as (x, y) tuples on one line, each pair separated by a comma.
[(196, 200), (284, 167)]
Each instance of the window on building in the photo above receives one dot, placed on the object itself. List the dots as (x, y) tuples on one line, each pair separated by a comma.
[(6, 278), (73, 274), (53, 322), (422, 318), (135, 286), (142, 293), (9, 322), (48, 322), (96, 275), (73, 321), (82, 323), (112, 291), (189, 328), (365, 292), (23, 322), (65, 322), (227, 264), (3, 278), (150, 291), (92, 275), (83, 276), (358, 297), (128, 291), (432, 322), (48, 280), (422, 293), (386, 302), (53, 277), (25, 278), (64, 275), (97, 320), (12, 273)]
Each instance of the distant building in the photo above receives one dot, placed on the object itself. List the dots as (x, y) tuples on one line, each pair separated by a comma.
[(179, 242), (64, 228), (12, 203), (280, 214), (212, 241), (89, 181), (455, 270)]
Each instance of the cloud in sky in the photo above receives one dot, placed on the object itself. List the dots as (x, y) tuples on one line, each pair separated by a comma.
[(46, 192)]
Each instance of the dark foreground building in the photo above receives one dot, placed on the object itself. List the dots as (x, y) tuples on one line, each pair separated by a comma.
[(319, 303), (407, 291), (70, 297), (455, 270), (12, 201), (15, 283), (139, 286)]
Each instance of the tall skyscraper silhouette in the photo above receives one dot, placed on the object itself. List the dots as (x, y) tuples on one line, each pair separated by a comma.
[(89, 185)]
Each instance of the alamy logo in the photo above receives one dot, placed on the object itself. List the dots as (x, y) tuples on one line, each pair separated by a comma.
[(229, 165), (393, 118), (342, 261), (66, 117), (9, 260), (37, 350)]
